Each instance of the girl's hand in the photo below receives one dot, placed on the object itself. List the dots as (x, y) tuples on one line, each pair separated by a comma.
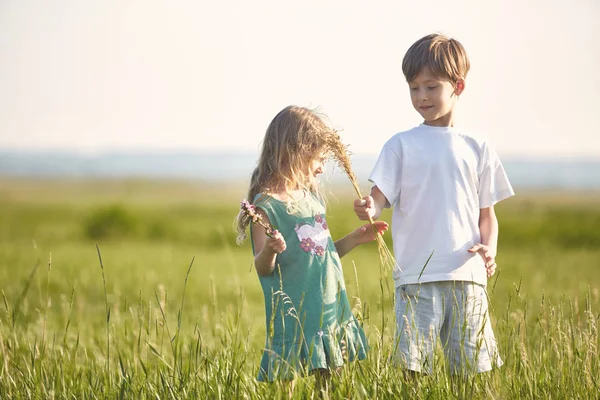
[(488, 257), (365, 233), (276, 243)]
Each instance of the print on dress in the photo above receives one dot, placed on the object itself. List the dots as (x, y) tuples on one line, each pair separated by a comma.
[(314, 238)]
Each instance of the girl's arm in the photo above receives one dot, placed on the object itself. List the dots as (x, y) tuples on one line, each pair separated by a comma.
[(265, 247), (487, 248), (364, 234)]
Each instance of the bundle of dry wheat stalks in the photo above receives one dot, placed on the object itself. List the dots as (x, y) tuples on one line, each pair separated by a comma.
[(340, 154)]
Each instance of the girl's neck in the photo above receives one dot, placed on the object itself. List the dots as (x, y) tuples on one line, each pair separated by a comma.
[(294, 195)]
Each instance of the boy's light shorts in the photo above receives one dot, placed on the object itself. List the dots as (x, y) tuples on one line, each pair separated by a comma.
[(453, 312)]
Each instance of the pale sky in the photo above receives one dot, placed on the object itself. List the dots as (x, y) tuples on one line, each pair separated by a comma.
[(91, 76)]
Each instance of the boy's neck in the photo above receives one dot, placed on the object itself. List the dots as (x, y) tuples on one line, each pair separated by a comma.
[(428, 123), (447, 121)]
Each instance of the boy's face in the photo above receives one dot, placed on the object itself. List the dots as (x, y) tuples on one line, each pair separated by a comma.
[(434, 98)]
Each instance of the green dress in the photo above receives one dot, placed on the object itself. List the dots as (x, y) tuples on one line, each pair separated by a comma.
[(309, 320)]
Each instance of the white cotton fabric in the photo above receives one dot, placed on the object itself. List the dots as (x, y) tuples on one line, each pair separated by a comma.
[(437, 179)]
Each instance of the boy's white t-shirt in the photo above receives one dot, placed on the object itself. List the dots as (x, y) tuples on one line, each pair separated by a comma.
[(438, 179)]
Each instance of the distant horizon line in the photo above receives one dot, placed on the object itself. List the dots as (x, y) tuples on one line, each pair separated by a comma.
[(246, 152)]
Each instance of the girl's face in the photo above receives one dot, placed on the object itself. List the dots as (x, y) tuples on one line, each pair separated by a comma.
[(316, 165)]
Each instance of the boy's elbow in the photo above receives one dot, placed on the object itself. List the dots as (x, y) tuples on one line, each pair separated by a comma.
[(487, 213), (487, 219)]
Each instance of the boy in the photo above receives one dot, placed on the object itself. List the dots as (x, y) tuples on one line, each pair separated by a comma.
[(443, 186)]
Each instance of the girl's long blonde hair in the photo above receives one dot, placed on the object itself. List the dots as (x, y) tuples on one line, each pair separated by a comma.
[(294, 138)]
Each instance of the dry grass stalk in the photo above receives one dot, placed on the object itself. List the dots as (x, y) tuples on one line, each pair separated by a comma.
[(339, 152)]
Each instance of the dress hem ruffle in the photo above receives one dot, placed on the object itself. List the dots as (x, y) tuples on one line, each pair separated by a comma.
[(326, 349)]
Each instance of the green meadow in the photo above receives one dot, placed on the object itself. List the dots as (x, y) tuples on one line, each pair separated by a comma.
[(137, 289)]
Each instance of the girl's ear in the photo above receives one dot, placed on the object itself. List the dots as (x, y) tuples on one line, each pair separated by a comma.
[(459, 87)]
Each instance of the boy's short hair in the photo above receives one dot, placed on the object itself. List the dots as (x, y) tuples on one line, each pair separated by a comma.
[(445, 57)]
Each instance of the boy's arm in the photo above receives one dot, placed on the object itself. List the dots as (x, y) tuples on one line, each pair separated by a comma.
[(364, 234), (370, 206), (487, 248)]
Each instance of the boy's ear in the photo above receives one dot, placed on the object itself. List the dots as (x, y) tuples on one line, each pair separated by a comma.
[(459, 87)]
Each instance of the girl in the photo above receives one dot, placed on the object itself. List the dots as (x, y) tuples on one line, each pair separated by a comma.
[(310, 326)]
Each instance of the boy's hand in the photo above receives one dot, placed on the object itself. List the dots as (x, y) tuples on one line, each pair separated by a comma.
[(364, 208), (365, 233), (276, 243), (489, 259)]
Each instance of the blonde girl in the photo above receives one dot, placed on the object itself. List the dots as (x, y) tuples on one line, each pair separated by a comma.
[(309, 323)]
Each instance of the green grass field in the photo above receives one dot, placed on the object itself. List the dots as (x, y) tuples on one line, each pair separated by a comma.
[(146, 325)]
